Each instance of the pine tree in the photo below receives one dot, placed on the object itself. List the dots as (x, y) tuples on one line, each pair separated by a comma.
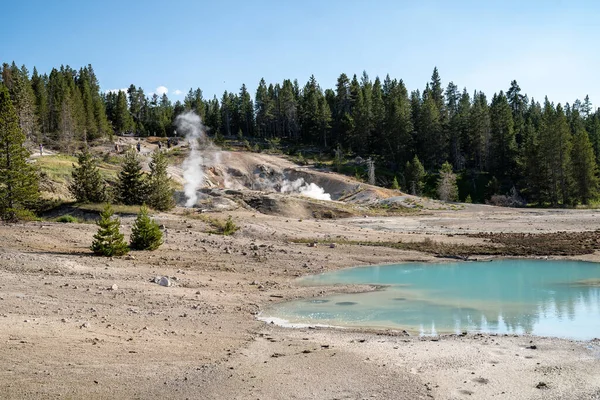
[(145, 233), (109, 241), (478, 142), (122, 119), (584, 167), (160, 191), (503, 146), (18, 179), (246, 112), (555, 153), (38, 84), (447, 189), (415, 176), (131, 188), (87, 184), (433, 143), (397, 126)]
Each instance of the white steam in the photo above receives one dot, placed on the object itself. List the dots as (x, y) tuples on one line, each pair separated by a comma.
[(191, 126), (305, 189)]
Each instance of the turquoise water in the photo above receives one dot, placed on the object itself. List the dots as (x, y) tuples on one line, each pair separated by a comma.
[(546, 298)]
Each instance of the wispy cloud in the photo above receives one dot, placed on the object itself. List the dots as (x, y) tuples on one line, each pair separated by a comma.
[(177, 92), (161, 90)]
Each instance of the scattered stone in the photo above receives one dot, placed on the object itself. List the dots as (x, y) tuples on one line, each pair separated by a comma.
[(164, 281), (332, 246), (532, 347), (114, 287), (542, 385), (129, 257), (85, 325)]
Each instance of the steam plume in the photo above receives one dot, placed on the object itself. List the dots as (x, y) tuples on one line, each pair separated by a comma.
[(191, 126), (306, 189)]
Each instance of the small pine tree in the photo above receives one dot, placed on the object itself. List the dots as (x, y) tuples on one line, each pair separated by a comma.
[(108, 241), (145, 233), (19, 180), (87, 184), (468, 200), (131, 188), (395, 185), (415, 176), (160, 191), (447, 188)]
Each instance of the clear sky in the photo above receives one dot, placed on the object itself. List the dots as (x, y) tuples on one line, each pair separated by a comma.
[(550, 47)]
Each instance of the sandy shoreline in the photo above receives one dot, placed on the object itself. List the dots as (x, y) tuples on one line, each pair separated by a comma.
[(67, 333)]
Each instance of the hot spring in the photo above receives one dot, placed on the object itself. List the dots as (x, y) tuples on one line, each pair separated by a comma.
[(539, 297)]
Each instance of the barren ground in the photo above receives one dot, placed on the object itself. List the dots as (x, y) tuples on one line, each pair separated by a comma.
[(77, 326), (66, 333)]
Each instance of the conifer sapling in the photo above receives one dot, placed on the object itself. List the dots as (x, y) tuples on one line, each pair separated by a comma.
[(109, 241), (145, 233)]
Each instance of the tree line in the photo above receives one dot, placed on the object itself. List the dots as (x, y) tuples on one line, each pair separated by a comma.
[(546, 152)]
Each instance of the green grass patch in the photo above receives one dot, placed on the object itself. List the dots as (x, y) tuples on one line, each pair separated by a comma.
[(117, 208), (68, 219), (58, 168)]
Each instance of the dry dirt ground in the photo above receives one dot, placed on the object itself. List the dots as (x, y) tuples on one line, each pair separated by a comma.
[(74, 326)]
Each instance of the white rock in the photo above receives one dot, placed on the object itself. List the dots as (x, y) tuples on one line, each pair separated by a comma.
[(114, 287), (165, 281)]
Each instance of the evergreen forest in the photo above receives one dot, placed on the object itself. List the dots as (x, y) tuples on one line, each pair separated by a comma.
[(504, 143)]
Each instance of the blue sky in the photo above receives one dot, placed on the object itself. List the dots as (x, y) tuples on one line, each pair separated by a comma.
[(549, 47)]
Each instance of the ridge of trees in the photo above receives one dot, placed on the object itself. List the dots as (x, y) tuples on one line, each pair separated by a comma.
[(548, 152)]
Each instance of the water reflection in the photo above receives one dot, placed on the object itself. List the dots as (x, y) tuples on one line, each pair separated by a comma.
[(550, 298)]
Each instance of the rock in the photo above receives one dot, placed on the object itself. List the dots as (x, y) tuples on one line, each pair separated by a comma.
[(541, 385), (114, 287), (85, 325), (332, 246), (165, 281), (254, 283), (129, 257), (532, 347)]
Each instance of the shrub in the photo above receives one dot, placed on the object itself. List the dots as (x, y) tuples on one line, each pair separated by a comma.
[(227, 227), (145, 233), (108, 241), (230, 227), (68, 218)]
